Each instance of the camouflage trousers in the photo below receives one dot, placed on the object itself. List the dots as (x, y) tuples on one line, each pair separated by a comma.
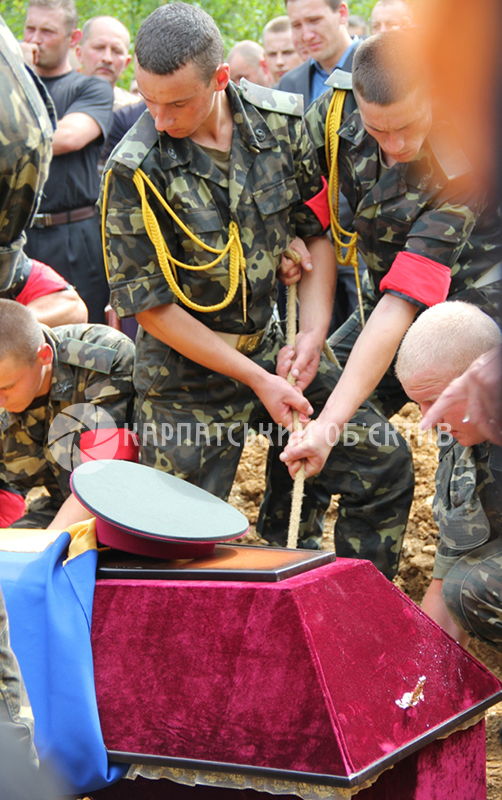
[(194, 424), (16, 717), (472, 593)]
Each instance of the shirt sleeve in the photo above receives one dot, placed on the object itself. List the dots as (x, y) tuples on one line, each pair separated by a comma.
[(94, 96)]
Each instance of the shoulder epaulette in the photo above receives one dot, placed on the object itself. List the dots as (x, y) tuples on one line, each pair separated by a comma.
[(339, 79), (450, 158), (137, 143), (272, 99), (86, 355)]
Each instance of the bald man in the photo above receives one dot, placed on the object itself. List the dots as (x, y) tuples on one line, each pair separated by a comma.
[(104, 52), (464, 595), (388, 15), (246, 59)]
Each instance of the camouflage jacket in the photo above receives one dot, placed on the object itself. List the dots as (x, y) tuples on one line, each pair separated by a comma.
[(273, 172), (26, 128), (468, 501), (428, 206), (92, 364)]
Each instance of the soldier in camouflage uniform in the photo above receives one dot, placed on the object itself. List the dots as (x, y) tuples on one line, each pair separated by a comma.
[(227, 162), (72, 364), (423, 230), (25, 153), (464, 595)]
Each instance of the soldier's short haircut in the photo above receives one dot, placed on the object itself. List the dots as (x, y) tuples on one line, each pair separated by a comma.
[(20, 332), (446, 339), (385, 68), (277, 25), (178, 34), (68, 6)]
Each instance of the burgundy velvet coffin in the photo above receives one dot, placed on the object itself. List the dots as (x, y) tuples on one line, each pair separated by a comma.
[(308, 678)]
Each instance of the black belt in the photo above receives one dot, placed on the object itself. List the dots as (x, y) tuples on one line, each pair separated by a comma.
[(64, 217)]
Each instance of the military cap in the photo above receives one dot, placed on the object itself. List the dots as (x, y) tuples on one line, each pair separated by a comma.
[(149, 512)]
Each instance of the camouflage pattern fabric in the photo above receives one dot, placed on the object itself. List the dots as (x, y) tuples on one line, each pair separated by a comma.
[(468, 511), (428, 206), (16, 716), (273, 171), (92, 364), (26, 150), (192, 422)]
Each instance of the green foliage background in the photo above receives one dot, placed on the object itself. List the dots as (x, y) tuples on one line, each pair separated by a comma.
[(236, 21), (243, 20)]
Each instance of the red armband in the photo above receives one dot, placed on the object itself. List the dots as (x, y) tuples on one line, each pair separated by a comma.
[(319, 204), (42, 280), (12, 507), (419, 278), (114, 443)]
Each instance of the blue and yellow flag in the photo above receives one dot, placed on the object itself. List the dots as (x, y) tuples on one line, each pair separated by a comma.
[(49, 596)]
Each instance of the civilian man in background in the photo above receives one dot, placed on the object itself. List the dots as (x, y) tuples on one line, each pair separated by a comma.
[(281, 54), (66, 232), (104, 52)]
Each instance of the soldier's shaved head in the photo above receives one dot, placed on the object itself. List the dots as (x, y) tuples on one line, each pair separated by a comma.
[(446, 339), (20, 333), (178, 34)]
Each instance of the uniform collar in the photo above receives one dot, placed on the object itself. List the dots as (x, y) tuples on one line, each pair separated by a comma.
[(253, 130)]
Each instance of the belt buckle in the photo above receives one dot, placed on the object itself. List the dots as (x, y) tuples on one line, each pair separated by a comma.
[(42, 220), (251, 343)]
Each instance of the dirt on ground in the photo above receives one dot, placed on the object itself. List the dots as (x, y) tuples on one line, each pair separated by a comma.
[(417, 557)]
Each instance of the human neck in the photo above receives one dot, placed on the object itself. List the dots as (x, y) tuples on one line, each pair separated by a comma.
[(216, 130), (330, 63), (46, 383), (55, 72)]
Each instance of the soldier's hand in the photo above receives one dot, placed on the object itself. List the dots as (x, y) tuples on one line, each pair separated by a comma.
[(310, 445), (303, 360), (290, 270), (280, 398)]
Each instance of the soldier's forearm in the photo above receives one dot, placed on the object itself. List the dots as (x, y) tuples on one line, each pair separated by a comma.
[(175, 327), (370, 358), (316, 290)]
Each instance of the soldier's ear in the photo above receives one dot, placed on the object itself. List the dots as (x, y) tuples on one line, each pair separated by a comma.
[(45, 354), (222, 76)]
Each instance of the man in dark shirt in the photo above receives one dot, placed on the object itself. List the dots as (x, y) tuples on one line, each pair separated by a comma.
[(66, 231)]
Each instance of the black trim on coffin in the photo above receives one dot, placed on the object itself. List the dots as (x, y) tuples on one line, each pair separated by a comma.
[(342, 781)]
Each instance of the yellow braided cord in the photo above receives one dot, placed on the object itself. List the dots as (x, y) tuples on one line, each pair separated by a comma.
[(333, 122), (103, 223), (167, 262)]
